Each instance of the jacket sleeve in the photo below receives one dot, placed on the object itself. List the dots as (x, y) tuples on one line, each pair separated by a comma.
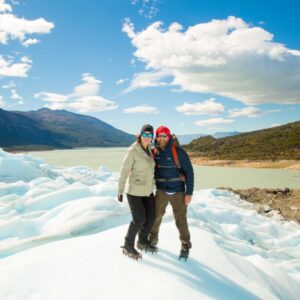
[(187, 169), (125, 170)]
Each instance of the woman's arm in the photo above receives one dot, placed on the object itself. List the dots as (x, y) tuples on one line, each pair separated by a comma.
[(126, 168)]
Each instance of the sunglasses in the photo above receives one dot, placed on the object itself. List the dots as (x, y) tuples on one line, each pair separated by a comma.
[(162, 136), (149, 135)]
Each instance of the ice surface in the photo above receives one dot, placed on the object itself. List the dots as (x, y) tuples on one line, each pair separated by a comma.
[(61, 231)]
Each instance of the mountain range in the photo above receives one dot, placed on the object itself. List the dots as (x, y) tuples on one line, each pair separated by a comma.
[(281, 142), (187, 138), (49, 129)]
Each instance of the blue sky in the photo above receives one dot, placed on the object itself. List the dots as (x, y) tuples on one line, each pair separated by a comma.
[(195, 66)]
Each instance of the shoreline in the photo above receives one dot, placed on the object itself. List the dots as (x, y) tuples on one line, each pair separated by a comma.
[(244, 163), (195, 159), (26, 150)]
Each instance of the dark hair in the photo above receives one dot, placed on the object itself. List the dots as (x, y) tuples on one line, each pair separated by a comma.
[(138, 138)]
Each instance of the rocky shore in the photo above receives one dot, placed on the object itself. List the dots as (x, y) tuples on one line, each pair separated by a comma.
[(286, 201)]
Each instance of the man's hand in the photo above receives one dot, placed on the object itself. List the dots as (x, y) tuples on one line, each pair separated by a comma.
[(120, 198), (187, 199)]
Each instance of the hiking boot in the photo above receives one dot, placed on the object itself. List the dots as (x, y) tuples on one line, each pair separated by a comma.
[(153, 241), (146, 246), (184, 252), (131, 252)]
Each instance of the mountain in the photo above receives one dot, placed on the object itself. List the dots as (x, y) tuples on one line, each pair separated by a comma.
[(18, 129), (46, 128), (281, 142), (219, 135), (187, 138)]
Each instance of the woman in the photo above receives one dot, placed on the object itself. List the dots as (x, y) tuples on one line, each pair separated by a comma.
[(139, 166)]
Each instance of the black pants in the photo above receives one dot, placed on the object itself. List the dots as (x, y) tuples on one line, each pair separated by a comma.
[(143, 215)]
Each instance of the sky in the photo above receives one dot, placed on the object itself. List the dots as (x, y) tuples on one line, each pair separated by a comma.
[(194, 66)]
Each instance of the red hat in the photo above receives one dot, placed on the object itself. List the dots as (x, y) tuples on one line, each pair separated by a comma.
[(163, 129)]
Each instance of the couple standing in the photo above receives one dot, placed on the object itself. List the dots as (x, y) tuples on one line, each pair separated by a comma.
[(169, 167)]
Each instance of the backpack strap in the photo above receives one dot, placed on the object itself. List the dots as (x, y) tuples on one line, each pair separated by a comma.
[(177, 162), (175, 156)]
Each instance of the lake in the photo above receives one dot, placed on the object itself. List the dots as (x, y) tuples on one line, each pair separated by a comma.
[(205, 176)]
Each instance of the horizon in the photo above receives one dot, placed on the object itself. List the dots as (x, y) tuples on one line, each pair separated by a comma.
[(198, 69)]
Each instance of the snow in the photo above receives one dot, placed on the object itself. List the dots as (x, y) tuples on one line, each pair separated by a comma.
[(61, 230)]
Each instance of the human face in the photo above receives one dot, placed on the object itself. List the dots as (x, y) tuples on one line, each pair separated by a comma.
[(162, 140), (146, 138)]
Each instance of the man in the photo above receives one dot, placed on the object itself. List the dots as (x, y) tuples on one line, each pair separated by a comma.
[(174, 178)]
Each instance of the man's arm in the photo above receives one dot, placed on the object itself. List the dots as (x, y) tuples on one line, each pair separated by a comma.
[(188, 170)]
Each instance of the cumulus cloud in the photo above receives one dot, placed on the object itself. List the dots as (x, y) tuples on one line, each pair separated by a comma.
[(9, 85), (29, 42), (4, 6), (51, 97), (147, 79), (14, 28), (207, 107), (16, 96), (9, 68), (226, 57), (84, 97), (146, 109), (249, 111), (213, 121)]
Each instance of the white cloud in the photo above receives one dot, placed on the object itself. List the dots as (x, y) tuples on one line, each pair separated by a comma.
[(9, 85), (89, 87), (84, 97), (226, 57), (213, 121), (4, 6), (8, 68), (249, 111), (273, 110), (15, 28), (121, 81), (30, 42), (176, 90), (141, 109), (12, 27), (51, 97), (207, 107), (16, 96), (147, 79), (275, 125)]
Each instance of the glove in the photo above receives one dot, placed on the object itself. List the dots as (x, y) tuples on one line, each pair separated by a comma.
[(120, 198)]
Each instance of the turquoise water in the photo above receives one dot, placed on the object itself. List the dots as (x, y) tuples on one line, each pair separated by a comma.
[(205, 177)]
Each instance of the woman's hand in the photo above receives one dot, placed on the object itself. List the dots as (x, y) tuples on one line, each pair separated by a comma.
[(120, 198)]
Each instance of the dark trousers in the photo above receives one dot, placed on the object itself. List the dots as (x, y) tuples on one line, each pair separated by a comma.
[(180, 213), (143, 215)]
